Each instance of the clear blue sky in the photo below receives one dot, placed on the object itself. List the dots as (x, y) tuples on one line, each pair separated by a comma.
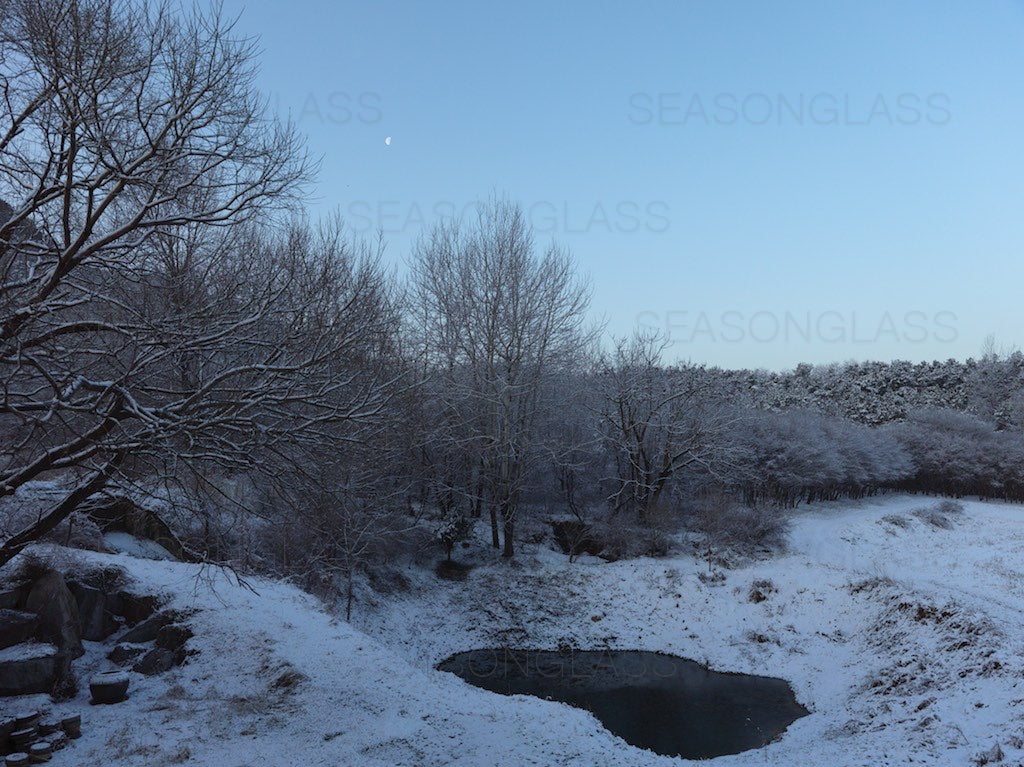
[(771, 182)]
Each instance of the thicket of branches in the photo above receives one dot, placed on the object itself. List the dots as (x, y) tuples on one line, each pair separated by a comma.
[(170, 325), (152, 325)]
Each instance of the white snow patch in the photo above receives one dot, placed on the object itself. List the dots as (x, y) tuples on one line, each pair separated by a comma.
[(26, 651), (125, 543)]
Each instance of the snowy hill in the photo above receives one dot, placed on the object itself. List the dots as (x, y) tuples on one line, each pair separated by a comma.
[(903, 634)]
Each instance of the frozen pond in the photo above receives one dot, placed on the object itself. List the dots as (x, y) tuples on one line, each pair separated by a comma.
[(670, 705)]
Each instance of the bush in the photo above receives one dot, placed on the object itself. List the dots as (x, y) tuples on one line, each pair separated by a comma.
[(760, 590), (949, 506), (897, 521), (726, 523), (939, 515), (450, 570), (617, 537), (657, 543), (574, 538)]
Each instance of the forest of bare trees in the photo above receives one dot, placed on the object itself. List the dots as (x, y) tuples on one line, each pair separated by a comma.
[(173, 325)]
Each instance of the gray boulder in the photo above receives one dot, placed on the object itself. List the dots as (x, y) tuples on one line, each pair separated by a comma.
[(174, 636), (156, 661), (12, 595), (132, 607), (59, 624), (147, 629), (120, 514), (97, 622), (124, 654), (16, 626), (29, 668)]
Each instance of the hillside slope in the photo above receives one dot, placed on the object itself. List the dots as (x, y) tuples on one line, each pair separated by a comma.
[(904, 639)]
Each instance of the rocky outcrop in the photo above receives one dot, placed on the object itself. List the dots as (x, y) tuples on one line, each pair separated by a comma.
[(12, 595), (169, 636), (29, 668), (97, 620), (125, 654), (156, 661), (59, 622), (44, 619), (173, 636), (122, 515), (16, 626), (134, 608), (146, 630), (46, 611)]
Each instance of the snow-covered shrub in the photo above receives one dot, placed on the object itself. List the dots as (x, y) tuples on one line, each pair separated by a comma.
[(623, 536), (939, 514), (726, 523), (574, 537), (760, 590), (615, 538), (949, 506), (993, 755), (450, 570), (797, 456), (934, 518), (896, 520), (958, 454), (451, 530), (657, 543)]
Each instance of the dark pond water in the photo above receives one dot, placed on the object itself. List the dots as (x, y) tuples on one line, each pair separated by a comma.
[(670, 705)]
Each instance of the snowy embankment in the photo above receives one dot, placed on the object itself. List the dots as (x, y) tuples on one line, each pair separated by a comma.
[(905, 640)]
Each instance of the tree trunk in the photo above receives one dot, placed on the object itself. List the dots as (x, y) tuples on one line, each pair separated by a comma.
[(494, 527), (508, 519), (348, 594), (478, 498)]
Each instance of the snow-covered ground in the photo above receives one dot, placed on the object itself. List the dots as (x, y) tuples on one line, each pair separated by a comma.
[(904, 639)]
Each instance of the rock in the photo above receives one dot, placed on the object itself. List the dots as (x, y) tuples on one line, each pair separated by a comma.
[(12, 595), (147, 630), (123, 654), (96, 620), (50, 599), (157, 661), (120, 514), (173, 636), (16, 626), (29, 668), (132, 607)]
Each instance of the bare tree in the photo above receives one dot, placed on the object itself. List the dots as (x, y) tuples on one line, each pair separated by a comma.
[(343, 514), (573, 437), (495, 321), (144, 321), (658, 422)]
